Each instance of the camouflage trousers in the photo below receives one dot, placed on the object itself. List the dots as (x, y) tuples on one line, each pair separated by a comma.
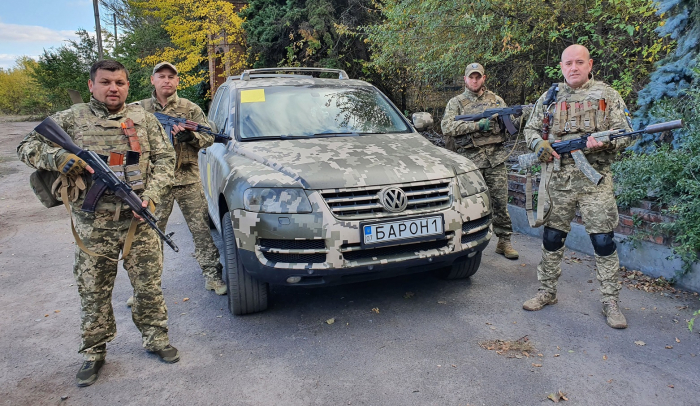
[(497, 180), (569, 190), (191, 200), (95, 279)]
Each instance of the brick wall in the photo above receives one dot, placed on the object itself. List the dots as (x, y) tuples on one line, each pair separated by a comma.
[(645, 214)]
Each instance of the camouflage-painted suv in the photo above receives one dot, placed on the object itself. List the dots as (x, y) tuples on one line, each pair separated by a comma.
[(326, 182)]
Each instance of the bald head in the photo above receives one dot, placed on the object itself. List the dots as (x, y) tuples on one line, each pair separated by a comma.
[(576, 64)]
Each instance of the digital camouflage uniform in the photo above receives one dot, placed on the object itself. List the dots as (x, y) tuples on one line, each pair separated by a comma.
[(93, 127), (485, 149), (187, 189), (569, 189)]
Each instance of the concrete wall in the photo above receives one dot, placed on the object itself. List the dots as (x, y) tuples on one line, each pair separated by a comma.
[(650, 258)]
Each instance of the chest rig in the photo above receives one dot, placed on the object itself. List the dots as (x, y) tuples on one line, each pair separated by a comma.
[(186, 153), (495, 136), (581, 112), (117, 140)]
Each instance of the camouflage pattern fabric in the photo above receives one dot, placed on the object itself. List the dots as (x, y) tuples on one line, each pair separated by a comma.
[(93, 127), (191, 200), (464, 134), (187, 168), (95, 280), (569, 189), (488, 158), (497, 181), (188, 186)]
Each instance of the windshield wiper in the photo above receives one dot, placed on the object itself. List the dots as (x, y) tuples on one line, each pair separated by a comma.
[(345, 134)]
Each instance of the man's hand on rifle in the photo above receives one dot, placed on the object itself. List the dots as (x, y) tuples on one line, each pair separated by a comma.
[(545, 152), (182, 134), (592, 143), (145, 204), (72, 165)]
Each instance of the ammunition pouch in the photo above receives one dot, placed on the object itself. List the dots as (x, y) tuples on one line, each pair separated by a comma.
[(41, 182)]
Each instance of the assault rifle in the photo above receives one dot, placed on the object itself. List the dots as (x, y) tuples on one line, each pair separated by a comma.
[(503, 113), (103, 177), (574, 147), (169, 121)]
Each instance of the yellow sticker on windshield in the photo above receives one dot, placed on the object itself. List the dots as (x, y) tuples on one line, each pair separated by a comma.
[(253, 96)]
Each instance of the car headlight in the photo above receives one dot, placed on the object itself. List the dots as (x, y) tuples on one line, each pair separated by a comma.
[(471, 183), (276, 200)]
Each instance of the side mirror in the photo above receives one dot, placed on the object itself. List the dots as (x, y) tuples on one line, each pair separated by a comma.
[(422, 121)]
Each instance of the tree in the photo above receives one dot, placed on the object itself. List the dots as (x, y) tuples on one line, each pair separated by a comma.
[(67, 67), (197, 30), (19, 92), (519, 43), (674, 74)]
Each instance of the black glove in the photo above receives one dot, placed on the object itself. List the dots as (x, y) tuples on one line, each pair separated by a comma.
[(184, 136)]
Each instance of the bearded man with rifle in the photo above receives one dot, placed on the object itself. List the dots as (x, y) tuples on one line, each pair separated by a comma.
[(108, 221), (482, 142)]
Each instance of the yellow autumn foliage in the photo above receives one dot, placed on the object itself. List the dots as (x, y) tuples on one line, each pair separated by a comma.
[(197, 28)]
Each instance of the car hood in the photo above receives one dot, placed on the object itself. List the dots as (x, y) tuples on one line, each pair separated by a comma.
[(368, 160)]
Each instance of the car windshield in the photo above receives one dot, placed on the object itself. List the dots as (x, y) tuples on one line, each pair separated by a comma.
[(287, 111)]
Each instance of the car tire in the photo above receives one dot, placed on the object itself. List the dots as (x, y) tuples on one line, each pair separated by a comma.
[(212, 226), (245, 294), (460, 269)]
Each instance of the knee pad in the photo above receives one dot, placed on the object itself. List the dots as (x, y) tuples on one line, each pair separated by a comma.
[(553, 239), (603, 243)]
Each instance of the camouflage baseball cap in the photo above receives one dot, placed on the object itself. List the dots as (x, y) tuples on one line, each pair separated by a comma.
[(164, 65), (474, 67)]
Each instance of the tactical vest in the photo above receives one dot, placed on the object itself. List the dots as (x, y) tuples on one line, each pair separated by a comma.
[(495, 136), (581, 112), (104, 136), (186, 153)]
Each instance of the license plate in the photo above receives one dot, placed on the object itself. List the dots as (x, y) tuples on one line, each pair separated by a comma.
[(402, 230)]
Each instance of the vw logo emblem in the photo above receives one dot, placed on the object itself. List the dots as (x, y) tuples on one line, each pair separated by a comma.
[(393, 199)]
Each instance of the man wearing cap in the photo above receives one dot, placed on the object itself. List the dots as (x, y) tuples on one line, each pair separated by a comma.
[(482, 143), (187, 189)]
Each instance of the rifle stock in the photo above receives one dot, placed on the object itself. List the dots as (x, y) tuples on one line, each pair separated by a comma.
[(103, 177)]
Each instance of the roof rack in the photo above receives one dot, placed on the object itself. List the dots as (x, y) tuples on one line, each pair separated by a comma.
[(247, 74)]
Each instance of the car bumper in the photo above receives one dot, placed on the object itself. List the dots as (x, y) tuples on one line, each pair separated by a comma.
[(335, 276)]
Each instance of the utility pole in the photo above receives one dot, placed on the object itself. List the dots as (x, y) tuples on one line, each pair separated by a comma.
[(115, 33), (98, 29)]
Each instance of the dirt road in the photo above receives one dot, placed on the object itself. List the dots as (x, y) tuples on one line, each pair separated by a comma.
[(420, 346)]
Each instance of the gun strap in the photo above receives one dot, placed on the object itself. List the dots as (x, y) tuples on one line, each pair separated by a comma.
[(64, 183), (543, 212), (130, 131)]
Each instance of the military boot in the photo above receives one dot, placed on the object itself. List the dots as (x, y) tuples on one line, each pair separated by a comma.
[(215, 284), (88, 373), (168, 354), (505, 248), (615, 318), (541, 300), (130, 301)]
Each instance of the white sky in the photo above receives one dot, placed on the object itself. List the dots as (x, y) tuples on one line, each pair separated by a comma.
[(27, 27)]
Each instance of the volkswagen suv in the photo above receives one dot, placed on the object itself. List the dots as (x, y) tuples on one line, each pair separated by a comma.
[(326, 182)]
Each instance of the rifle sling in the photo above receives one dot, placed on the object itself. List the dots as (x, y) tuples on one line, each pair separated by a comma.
[(542, 196), (63, 183)]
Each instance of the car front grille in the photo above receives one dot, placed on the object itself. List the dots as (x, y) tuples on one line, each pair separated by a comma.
[(354, 252), (364, 202), (294, 251)]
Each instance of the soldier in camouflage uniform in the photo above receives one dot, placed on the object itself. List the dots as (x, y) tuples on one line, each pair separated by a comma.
[(582, 105), (482, 142), (187, 189), (96, 126)]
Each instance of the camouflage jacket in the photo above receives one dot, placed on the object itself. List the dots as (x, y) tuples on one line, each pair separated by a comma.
[(187, 167), (607, 112), (466, 134), (80, 122)]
